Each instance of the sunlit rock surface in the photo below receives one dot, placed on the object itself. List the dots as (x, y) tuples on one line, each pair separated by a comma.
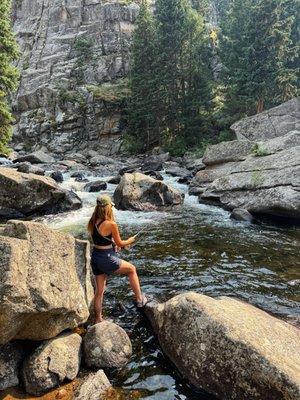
[(45, 282), (137, 191), (229, 348), (53, 362)]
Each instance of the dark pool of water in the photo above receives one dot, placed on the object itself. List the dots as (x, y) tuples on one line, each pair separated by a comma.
[(198, 249)]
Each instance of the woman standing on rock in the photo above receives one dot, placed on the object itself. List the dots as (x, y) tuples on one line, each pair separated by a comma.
[(105, 233)]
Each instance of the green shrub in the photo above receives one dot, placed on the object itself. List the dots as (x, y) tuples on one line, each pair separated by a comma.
[(111, 92), (225, 136), (131, 144), (83, 47), (258, 150)]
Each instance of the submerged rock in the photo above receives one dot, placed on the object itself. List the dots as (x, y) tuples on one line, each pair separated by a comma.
[(229, 348), (11, 357), (106, 345), (93, 386), (177, 171), (141, 192), (30, 194), (51, 363), (115, 180), (44, 302)]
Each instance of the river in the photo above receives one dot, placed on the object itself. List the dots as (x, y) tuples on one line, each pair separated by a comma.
[(196, 248)]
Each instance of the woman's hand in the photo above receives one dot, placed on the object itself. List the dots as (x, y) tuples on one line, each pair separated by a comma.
[(131, 240)]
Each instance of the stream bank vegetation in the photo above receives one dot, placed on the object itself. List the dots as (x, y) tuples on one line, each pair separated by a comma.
[(8, 73), (176, 101)]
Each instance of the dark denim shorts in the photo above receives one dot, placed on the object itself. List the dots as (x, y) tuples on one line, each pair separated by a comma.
[(105, 261)]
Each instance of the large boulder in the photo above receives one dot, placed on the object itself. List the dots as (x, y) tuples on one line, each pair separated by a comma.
[(229, 348), (37, 157), (36, 300), (264, 182), (11, 357), (141, 192), (271, 123), (106, 345), (93, 387), (51, 363), (261, 185), (32, 194)]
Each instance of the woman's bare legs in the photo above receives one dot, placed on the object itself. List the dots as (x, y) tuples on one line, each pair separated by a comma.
[(98, 298), (128, 269)]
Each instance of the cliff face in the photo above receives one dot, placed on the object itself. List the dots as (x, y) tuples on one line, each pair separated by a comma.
[(74, 58)]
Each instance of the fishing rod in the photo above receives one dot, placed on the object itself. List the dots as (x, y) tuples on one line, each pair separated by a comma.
[(137, 234)]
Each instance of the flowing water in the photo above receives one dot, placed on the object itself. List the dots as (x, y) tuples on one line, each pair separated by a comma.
[(197, 248)]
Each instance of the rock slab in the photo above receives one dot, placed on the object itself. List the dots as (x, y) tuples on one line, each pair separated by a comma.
[(106, 345), (53, 290), (270, 124), (51, 363), (229, 348)]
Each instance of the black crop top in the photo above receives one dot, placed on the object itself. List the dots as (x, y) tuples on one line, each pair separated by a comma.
[(100, 240)]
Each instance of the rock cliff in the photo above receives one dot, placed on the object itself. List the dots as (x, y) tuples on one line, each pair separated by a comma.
[(74, 58)]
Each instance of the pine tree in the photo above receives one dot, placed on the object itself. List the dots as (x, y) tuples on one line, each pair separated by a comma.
[(143, 105), (183, 74), (8, 73), (255, 48)]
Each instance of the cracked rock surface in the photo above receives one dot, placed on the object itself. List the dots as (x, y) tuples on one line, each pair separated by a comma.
[(69, 50), (54, 289), (229, 348), (51, 363)]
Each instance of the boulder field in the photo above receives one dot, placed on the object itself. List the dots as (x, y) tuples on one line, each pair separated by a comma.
[(229, 348)]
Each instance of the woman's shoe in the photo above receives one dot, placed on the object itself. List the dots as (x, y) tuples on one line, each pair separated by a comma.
[(143, 302)]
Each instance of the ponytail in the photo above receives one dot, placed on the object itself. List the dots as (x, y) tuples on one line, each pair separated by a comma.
[(93, 219), (101, 213)]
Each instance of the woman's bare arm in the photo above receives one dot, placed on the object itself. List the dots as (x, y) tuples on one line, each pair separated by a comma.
[(117, 238)]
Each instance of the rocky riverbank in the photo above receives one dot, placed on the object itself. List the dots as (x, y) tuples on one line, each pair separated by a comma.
[(44, 307), (259, 173)]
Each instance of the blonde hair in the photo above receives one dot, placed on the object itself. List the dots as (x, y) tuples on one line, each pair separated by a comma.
[(102, 214)]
